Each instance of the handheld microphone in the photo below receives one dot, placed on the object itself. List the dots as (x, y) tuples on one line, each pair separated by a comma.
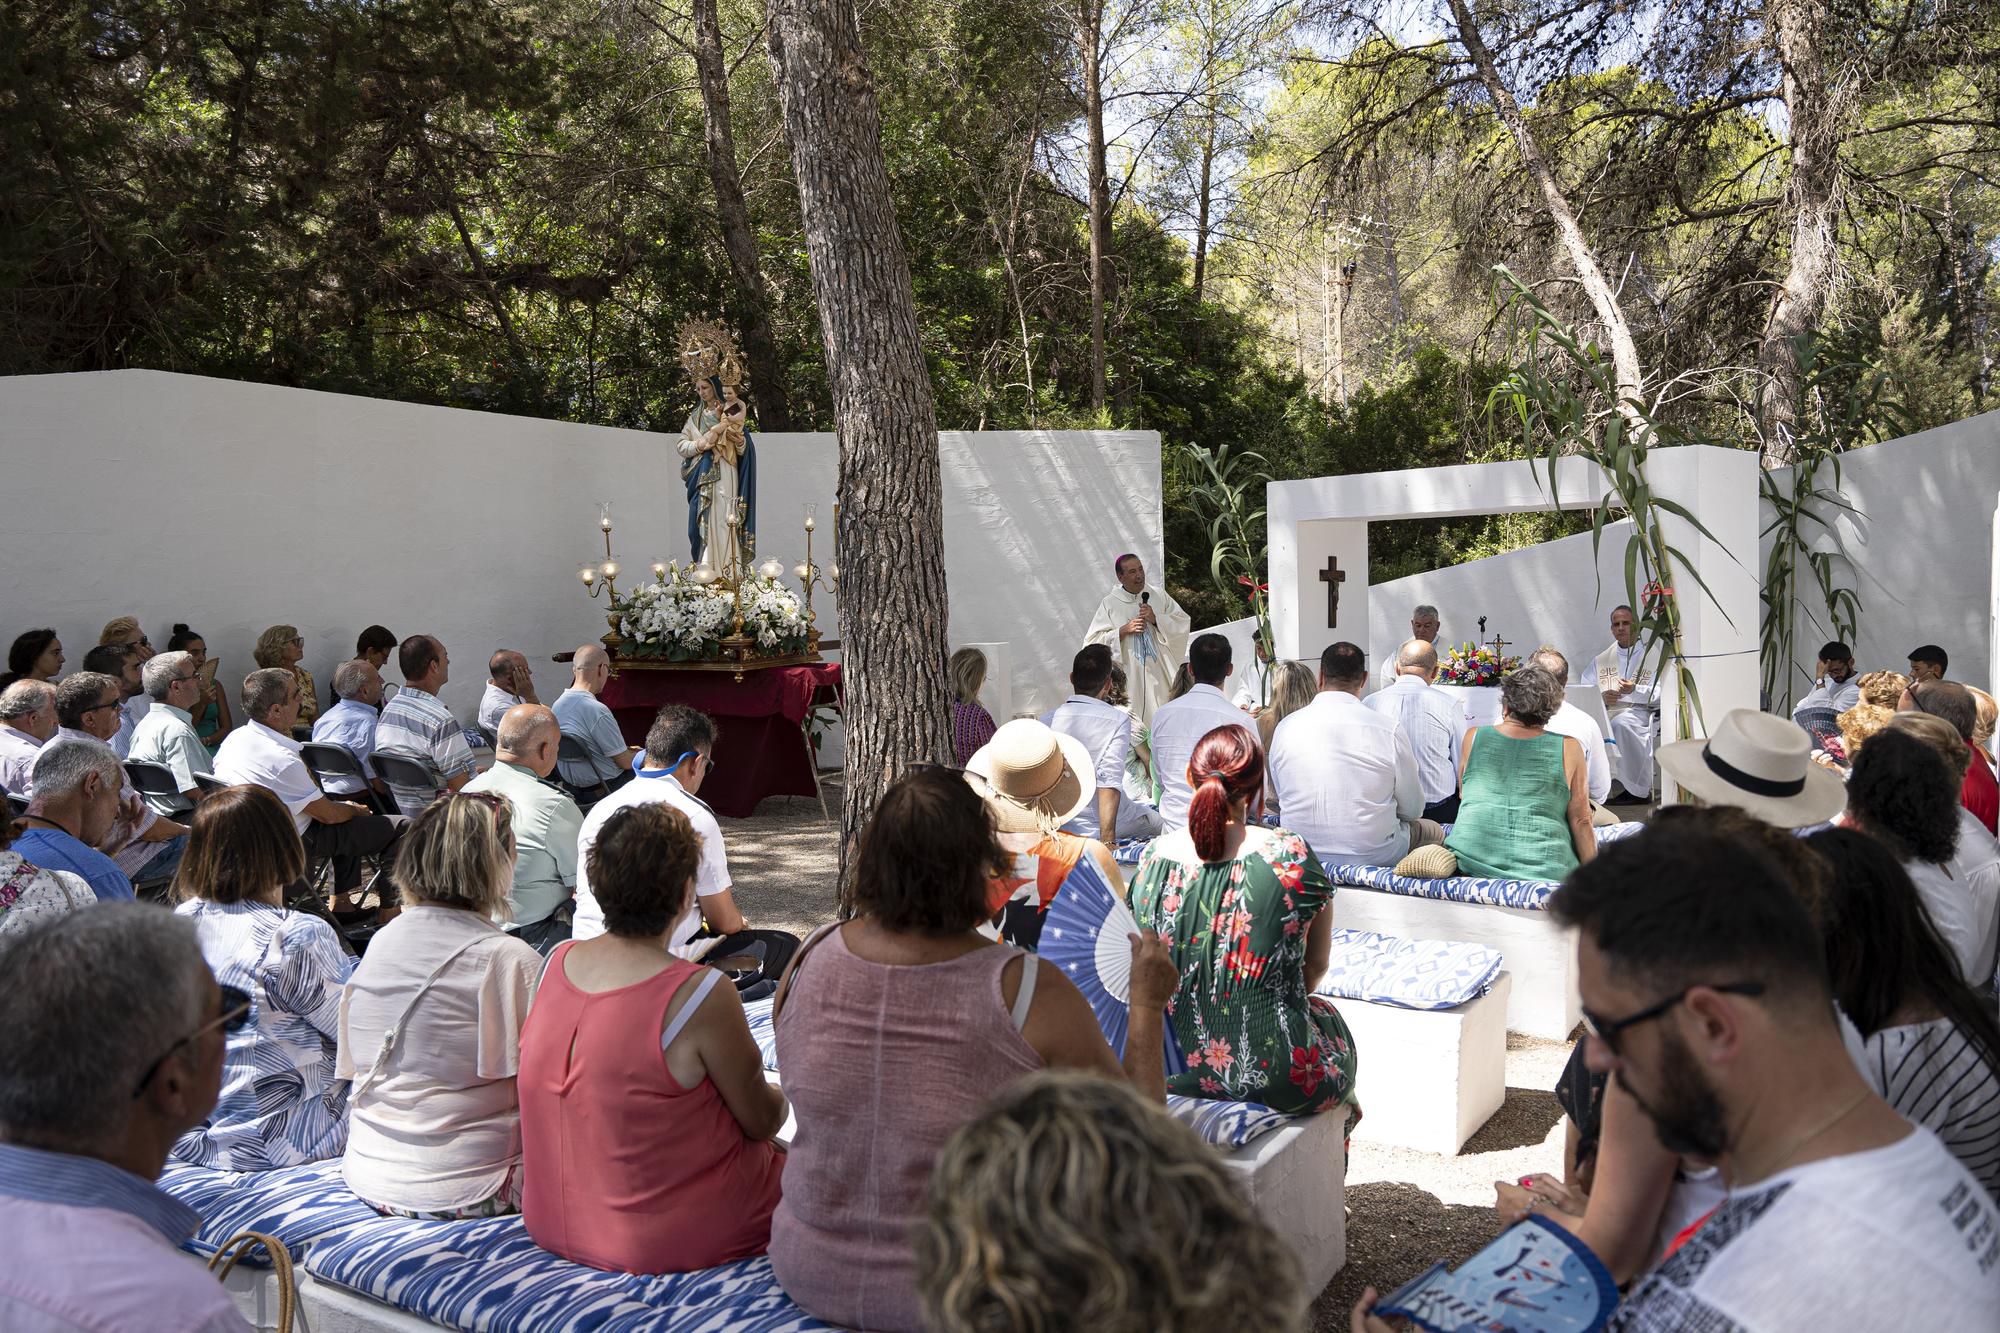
[(1145, 597)]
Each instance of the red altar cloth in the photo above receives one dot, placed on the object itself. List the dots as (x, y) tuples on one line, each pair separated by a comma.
[(762, 749)]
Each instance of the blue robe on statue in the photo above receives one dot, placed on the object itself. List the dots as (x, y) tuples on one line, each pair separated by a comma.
[(741, 478)]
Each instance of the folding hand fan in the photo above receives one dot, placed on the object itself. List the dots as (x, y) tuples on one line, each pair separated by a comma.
[(1087, 934)]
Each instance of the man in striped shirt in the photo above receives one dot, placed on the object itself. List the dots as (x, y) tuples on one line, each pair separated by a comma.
[(416, 723)]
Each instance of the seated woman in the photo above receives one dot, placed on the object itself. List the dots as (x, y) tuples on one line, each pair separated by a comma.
[(1032, 779), (1524, 808), (896, 1028), (1293, 686), (1931, 1045), (211, 712), (646, 1123), (430, 1025), (1246, 911), (283, 646), (1903, 793), (1975, 861), (971, 724), (35, 655), (1032, 1212), (281, 1102)]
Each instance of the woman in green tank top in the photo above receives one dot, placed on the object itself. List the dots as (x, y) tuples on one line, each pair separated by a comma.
[(1524, 811)]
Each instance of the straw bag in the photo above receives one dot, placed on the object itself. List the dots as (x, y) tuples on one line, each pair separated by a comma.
[(232, 1251)]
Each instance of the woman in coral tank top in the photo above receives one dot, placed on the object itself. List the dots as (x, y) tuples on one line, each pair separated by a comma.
[(646, 1123)]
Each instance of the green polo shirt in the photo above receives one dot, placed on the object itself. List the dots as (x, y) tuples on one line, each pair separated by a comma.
[(546, 825)]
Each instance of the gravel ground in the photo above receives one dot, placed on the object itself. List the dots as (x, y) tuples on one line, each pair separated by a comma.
[(1405, 1210)]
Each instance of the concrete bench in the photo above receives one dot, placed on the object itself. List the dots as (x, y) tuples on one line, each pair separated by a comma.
[(1429, 1078)]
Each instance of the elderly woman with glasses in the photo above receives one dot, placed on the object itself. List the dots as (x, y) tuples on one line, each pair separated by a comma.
[(281, 1102), (283, 646), (430, 1025)]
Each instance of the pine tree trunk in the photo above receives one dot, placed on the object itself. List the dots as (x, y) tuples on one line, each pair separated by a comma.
[(891, 532), (760, 346), (1202, 205), (1090, 37)]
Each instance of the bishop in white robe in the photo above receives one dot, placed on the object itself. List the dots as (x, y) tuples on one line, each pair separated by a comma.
[(1629, 685), (1147, 631)]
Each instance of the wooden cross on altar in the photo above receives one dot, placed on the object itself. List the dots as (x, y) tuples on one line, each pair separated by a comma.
[(1333, 576)]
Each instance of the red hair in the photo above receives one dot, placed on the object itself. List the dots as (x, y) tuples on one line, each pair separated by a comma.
[(1227, 767)]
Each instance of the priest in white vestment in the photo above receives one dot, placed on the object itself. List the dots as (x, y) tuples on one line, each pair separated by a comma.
[(1628, 681), (1148, 632)]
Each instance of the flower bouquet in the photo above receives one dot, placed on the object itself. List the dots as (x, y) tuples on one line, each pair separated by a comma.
[(1470, 664), (676, 619)]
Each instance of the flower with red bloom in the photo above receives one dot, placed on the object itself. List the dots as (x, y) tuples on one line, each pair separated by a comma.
[(1307, 1068)]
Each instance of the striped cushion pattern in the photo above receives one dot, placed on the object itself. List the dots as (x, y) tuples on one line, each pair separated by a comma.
[(1531, 894), (489, 1277), (1410, 974), (296, 1204)]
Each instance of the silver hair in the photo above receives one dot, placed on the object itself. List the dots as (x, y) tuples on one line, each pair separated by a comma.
[(350, 678), (25, 698), (158, 671), (265, 689), (94, 998), (1423, 609), (1531, 695), (63, 764)]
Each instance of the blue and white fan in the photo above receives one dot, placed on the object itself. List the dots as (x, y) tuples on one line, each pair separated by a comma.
[(1087, 934)]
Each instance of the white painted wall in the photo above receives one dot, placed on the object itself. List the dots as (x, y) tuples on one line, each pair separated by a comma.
[(234, 506)]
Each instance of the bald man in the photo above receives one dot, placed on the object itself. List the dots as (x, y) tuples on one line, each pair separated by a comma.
[(1431, 720), (546, 824), (585, 720)]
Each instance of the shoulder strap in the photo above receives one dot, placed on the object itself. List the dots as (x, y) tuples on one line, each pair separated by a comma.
[(1025, 997), (394, 1034), (792, 969), (701, 989)]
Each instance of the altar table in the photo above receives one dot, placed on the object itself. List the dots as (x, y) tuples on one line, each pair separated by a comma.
[(761, 748)]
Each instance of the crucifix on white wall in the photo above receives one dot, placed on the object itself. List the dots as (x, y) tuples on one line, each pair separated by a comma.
[(1332, 576)]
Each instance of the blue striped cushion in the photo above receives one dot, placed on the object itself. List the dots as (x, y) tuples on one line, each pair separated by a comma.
[(295, 1204), (1225, 1124), (759, 1014), (488, 1277), (1532, 894), (1410, 974)]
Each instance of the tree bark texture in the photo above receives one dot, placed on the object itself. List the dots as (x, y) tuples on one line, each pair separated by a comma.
[(1624, 351), (891, 530), (1814, 105), (753, 306), (1090, 46), (1202, 203)]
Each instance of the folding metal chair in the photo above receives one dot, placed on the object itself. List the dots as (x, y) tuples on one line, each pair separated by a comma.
[(157, 787), (209, 782), (412, 780), (330, 762), (570, 750)]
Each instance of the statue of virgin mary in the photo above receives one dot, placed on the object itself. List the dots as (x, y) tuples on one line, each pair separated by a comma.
[(718, 452)]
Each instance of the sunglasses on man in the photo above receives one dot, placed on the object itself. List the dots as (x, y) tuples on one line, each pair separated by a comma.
[(235, 1013)]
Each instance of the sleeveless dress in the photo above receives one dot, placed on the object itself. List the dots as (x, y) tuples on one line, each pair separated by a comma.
[(625, 1169), (882, 1064), (1513, 813)]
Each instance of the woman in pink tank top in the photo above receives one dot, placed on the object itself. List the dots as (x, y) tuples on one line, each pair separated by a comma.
[(646, 1123), (895, 1028)]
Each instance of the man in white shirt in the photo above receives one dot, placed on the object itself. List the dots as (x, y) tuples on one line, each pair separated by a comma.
[(261, 752), (1343, 777), (27, 720), (1146, 630), (676, 762), (1423, 625), (1253, 684), (1571, 721), (166, 734), (509, 682), (1432, 721), (584, 719), (1834, 689), (1106, 732), (1179, 724), (1627, 676)]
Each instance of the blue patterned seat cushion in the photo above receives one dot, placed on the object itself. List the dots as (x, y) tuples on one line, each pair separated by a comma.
[(759, 1014), (489, 1277), (1532, 894), (296, 1204), (1410, 974)]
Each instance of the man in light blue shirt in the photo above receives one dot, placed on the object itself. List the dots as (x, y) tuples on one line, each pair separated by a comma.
[(585, 720), (546, 825), (351, 722), (166, 735)]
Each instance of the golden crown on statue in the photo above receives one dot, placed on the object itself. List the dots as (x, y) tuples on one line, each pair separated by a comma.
[(708, 352)]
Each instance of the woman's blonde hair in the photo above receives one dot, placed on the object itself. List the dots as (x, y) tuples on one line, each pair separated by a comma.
[(1860, 722), (1882, 687), (460, 853), (968, 673), (1937, 733), (1182, 683), (1989, 713), (1072, 1203), (1293, 686), (115, 631), (270, 651)]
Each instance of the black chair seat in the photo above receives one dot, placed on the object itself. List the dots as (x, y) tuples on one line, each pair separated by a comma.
[(332, 763), (414, 782), (570, 751), (157, 787)]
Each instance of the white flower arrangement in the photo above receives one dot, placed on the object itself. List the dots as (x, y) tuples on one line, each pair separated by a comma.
[(684, 621)]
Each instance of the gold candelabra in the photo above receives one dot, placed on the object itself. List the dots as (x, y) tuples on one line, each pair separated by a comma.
[(604, 577), (811, 575)]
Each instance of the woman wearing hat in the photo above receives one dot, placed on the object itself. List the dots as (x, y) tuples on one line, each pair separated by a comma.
[(1028, 775), (1759, 763)]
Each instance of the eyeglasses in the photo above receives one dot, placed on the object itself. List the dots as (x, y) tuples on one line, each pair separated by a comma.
[(98, 708), (235, 1013), (182, 680), (297, 641), (693, 754), (1606, 1030)]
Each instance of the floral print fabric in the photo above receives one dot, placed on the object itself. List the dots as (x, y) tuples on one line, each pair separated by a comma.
[(1250, 1030)]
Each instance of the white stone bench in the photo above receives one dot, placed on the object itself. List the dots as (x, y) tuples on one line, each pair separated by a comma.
[(1296, 1177), (1429, 1078)]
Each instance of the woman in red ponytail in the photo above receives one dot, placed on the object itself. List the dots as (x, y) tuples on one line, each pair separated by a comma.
[(1244, 908)]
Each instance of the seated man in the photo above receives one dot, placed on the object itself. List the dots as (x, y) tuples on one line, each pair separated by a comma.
[(1106, 732), (677, 761), (1432, 721), (76, 807), (126, 1052), (27, 720), (262, 753), (509, 683), (357, 686), (1834, 688), (1179, 724), (416, 724), (122, 665), (547, 825), (166, 735), (585, 720), (1928, 662), (1342, 774), (1571, 721), (145, 846), (1626, 675)]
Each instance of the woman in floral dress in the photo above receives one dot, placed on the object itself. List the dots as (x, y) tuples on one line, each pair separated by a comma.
[(1244, 908)]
